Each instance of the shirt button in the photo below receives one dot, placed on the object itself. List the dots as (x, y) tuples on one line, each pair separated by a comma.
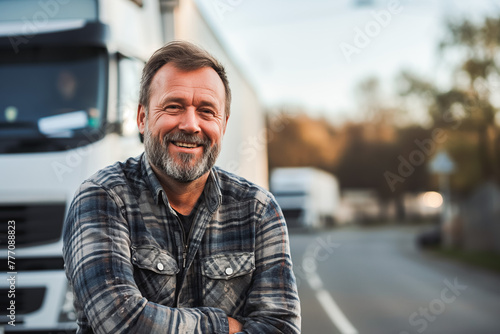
[(160, 266), (229, 271)]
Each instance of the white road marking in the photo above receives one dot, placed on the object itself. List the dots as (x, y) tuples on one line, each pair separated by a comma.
[(326, 300)]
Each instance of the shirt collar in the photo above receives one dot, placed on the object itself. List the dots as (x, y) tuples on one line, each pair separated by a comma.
[(212, 192), (152, 180)]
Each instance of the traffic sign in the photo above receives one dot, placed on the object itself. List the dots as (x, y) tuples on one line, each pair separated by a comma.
[(442, 164)]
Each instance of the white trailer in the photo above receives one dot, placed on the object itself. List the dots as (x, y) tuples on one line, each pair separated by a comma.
[(308, 197)]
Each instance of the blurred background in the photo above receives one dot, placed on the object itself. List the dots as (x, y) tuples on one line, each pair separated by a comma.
[(375, 124)]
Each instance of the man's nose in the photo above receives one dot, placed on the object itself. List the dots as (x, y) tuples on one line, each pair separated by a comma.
[(189, 121)]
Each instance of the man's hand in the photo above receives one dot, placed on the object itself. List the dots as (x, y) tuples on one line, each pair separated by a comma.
[(234, 325)]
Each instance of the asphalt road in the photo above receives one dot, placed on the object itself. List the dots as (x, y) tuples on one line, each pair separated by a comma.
[(375, 281)]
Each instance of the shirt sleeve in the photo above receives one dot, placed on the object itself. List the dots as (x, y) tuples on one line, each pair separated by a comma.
[(273, 304), (96, 250)]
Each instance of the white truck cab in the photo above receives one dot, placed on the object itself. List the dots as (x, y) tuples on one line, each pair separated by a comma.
[(69, 82), (308, 197)]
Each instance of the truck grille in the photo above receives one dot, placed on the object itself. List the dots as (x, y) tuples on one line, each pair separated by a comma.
[(35, 224), (293, 217), (27, 300), (34, 264)]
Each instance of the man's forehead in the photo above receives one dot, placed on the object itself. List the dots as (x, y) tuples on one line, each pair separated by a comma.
[(170, 77), (199, 96), (183, 89)]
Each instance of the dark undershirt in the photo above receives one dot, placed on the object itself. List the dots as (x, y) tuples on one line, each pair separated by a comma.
[(186, 222)]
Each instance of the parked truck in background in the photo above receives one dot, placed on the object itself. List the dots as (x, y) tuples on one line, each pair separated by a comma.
[(308, 197)]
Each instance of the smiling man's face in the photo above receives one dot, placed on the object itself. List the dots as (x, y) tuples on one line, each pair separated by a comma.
[(186, 121)]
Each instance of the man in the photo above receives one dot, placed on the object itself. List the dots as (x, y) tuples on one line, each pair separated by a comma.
[(167, 243)]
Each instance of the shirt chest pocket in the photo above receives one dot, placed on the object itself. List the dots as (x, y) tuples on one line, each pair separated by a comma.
[(154, 274), (226, 279)]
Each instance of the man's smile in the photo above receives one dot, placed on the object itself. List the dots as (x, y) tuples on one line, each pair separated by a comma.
[(185, 145)]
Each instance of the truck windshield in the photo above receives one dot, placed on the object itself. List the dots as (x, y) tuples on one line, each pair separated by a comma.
[(51, 98)]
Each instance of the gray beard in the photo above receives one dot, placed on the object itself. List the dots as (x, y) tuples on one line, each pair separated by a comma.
[(185, 171)]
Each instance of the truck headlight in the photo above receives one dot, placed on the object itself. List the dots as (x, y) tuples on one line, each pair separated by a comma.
[(68, 313)]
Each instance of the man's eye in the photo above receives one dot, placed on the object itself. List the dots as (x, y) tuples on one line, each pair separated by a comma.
[(173, 107), (207, 111)]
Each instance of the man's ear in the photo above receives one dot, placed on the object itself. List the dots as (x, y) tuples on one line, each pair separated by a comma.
[(141, 118), (225, 125)]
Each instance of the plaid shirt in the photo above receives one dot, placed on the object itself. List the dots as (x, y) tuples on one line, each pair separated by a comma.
[(132, 271)]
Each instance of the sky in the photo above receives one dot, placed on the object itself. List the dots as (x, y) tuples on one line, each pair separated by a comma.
[(313, 53)]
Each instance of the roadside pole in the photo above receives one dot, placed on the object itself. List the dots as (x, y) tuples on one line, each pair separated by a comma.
[(443, 166)]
